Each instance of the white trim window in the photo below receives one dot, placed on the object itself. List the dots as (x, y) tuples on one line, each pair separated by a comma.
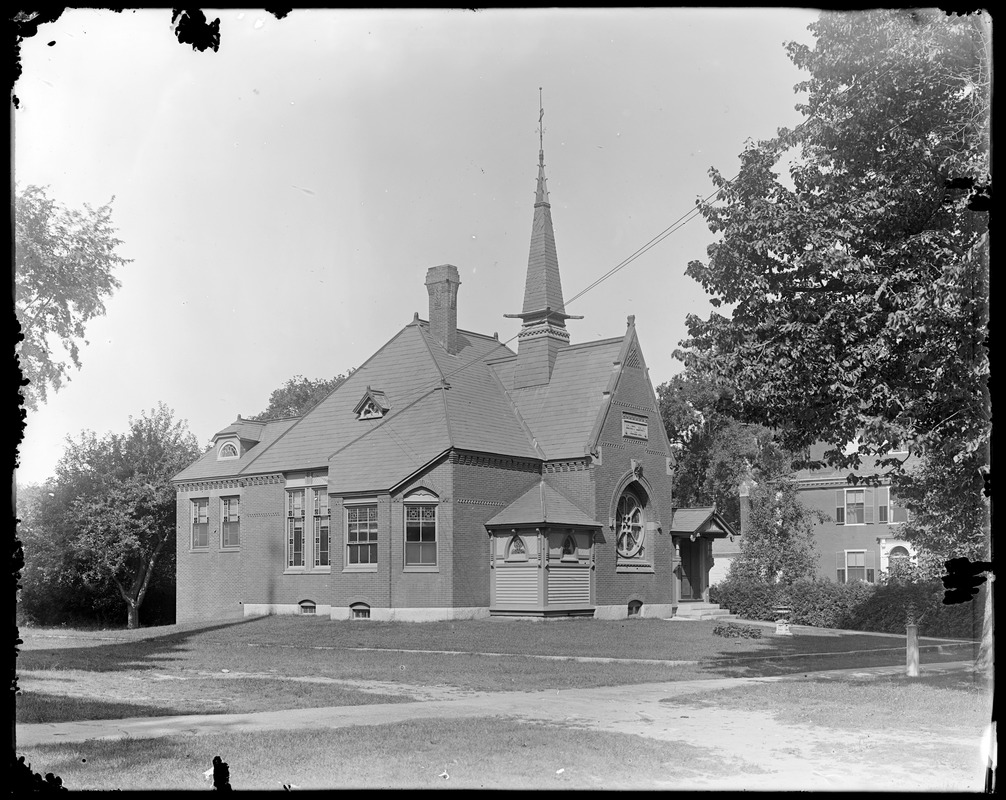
[(856, 565), (322, 529), (230, 523), (200, 524), (361, 536), (421, 532), (228, 450)]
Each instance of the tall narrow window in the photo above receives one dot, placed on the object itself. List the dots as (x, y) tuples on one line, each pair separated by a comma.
[(230, 516), (883, 504), (361, 535), (295, 528), (420, 535), (322, 528), (200, 523)]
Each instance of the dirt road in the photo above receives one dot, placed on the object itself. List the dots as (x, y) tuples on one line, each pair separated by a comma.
[(761, 752)]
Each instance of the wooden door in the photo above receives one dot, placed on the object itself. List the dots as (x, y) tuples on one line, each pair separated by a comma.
[(692, 583)]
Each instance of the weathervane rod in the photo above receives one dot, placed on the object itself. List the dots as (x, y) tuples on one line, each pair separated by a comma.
[(541, 116)]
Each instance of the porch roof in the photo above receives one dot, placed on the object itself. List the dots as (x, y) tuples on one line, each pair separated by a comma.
[(700, 522), (541, 505)]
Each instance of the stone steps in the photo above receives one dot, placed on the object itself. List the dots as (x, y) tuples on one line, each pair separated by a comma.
[(703, 611)]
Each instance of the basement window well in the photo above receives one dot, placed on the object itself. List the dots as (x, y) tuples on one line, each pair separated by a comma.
[(308, 607), (359, 611)]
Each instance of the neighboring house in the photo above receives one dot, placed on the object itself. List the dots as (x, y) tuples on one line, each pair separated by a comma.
[(861, 536), (860, 539), (449, 477)]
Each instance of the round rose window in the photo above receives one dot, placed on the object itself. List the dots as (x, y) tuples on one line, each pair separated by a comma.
[(629, 526)]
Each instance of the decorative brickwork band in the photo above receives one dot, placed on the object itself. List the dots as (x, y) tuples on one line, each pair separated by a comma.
[(499, 462)]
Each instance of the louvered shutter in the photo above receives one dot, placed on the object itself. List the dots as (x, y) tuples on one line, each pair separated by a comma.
[(868, 506), (871, 566), (840, 565), (840, 508)]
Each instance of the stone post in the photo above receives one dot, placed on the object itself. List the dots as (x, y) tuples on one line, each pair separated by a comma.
[(912, 656)]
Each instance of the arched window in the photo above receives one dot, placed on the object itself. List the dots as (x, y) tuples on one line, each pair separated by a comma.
[(516, 550), (228, 450), (630, 525)]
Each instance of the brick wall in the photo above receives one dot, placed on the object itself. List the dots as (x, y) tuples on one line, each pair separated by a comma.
[(634, 395), (832, 538), (208, 581), (483, 486)]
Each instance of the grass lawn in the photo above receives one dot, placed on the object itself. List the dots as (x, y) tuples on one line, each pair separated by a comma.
[(943, 703), (272, 663), (475, 753)]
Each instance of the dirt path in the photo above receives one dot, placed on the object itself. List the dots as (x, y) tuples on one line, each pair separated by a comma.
[(758, 751)]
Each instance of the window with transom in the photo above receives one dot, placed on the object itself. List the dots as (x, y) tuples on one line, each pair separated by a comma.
[(201, 523), (230, 522), (361, 536), (420, 533)]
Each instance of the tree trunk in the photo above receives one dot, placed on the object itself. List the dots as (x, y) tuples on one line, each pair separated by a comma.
[(133, 620)]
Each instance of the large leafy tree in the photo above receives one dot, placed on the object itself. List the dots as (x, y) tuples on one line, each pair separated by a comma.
[(104, 526), (715, 451), (64, 265), (299, 395), (858, 287)]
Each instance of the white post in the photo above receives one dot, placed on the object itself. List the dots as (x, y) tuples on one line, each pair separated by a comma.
[(912, 656)]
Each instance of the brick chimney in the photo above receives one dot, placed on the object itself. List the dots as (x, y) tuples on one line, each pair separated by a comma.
[(442, 283)]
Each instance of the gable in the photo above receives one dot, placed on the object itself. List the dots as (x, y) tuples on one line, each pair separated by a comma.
[(632, 413)]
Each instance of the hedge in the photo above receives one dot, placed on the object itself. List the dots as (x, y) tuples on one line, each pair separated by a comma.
[(854, 606)]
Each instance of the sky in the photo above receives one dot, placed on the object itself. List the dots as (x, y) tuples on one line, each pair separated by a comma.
[(281, 199)]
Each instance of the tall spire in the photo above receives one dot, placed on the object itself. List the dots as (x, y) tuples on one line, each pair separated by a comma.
[(544, 315)]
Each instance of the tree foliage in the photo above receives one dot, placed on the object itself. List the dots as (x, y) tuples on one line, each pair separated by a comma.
[(299, 395), (63, 268), (715, 451), (859, 286), (103, 528)]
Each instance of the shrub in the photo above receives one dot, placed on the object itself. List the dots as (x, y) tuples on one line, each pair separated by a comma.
[(855, 606), (748, 598), (731, 631), (825, 604)]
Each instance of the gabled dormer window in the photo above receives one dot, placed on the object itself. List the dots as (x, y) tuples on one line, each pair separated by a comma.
[(373, 405), (227, 450)]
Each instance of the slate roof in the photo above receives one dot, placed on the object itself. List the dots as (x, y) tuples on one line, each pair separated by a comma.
[(543, 288), (425, 418), (561, 414), (207, 465), (541, 505), (694, 520)]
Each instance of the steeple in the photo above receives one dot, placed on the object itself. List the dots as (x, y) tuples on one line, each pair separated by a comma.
[(543, 333)]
